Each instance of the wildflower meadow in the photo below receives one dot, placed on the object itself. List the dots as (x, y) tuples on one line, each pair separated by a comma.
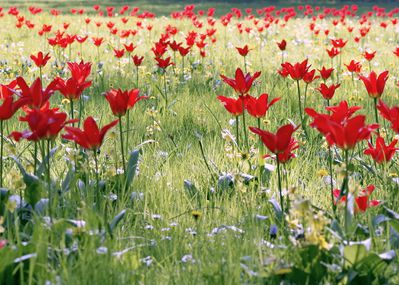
[(199, 144)]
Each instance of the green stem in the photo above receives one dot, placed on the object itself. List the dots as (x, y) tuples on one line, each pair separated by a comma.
[(245, 127), (97, 179), (50, 192), (299, 100), (346, 191), (279, 185), (376, 114), (164, 87), (237, 132), (122, 147)]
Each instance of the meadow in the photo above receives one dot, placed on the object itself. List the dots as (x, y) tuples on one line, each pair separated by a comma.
[(202, 146)]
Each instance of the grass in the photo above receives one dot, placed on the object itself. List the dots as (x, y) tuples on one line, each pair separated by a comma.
[(216, 235)]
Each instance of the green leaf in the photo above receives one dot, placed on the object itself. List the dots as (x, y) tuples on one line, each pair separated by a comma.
[(69, 178), (33, 184), (42, 166), (115, 221), (355, 252), (277, 208), (132, 167), (190, 188)]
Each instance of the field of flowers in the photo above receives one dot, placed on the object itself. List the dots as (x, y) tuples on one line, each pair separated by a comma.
[(256, 147)]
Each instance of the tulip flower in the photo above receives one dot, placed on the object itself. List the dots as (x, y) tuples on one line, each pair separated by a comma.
[(34, 95), (40, 60), (390, 114), (233, 106), (80, 71), (44, 124), (354, 66), (282, 45), (241, 83), (7, 109), (120, 102), (381, 153), (91, 137), (325, 73), (362, 200), (375, 87), (327, 91), (258, 107), (244, 52), (279, 143), (339, 43)]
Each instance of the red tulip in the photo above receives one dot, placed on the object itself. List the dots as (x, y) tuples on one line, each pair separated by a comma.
[(243, 51), (97, 41), (258, 107), (241, 84), (71, 88), (90, 137), (81, 39), (325, 72), (44, 124), (163, 63), (310, 76), (184, 51), (40, 60), (233, 106), (121, 101), (282, 45), (10, 107), (354, 66), (279, 142), (390, 114), (175, 46), (119, 53), (80, 71), (326, 91), (298, 70), (369, 55), (34, 95), (362, 200), (396, 51), (381, 152), (333, 52), (129, 48), (375, 86), (137, 60), (339, 43), (159, 49), (340, 128), (6, 90)]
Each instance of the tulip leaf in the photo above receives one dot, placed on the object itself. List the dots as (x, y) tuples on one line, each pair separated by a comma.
[(353, 253), (69, 178), (32, 182), (115, 221), (132, 167), (277, 208), (43, 164)]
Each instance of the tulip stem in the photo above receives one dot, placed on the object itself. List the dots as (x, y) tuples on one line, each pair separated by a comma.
[(279, 185), (346, 191), (137, 77), (97, 179), (164, 87), (50, 194), (237, 132), (122, 147), (245, 64), (35, 158), (376, 115), (244, 126), (330, 168)]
